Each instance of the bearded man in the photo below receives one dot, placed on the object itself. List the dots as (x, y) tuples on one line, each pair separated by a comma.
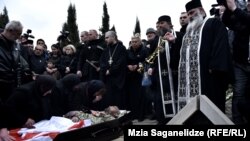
[(205, 60)]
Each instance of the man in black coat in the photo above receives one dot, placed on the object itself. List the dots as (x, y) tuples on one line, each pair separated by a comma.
[(88, 66), (9, 56), (113, 70), (238, 20)]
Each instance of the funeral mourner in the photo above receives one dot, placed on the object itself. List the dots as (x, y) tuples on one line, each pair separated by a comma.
[(9, 58), (113, 70), (88, 66), (237, 18), (171, 69), (204, 59), (32, 102), (164, 68), (136, 92)]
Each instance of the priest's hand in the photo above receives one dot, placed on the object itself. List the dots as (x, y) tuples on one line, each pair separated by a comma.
[(67, 70), (131, 67), (107, 72), (169, 37), (150, 71), (79, 73)]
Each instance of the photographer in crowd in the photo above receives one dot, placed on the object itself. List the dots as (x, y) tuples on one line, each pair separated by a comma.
[(63, 39), (27, 46), (237, 18)]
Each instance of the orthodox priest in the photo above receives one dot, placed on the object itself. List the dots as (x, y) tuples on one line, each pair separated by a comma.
[(164, 69), (205, 59), (113, 63)]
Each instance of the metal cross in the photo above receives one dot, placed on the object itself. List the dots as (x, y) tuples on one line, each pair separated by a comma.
[(164, 73), (110, 61)]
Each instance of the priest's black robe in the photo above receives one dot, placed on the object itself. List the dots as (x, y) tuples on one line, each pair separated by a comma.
[(115, 81), (215, 62)]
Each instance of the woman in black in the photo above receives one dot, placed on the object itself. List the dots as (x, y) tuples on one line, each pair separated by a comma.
[(87, 95), (32, 101)]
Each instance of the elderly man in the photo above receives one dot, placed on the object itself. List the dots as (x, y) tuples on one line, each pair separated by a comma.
[(9, 56), (205, 61), (37, 60)]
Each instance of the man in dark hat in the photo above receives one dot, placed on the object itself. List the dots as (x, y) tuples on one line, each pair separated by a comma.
[(165, 24), (164, 71), (205, 63), (150, 30)]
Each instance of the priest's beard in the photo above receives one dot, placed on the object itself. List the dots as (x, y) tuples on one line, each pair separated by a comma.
[(194, 23), (163, 31)]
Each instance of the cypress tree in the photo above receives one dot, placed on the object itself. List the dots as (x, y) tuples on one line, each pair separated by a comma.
[(4, 18), (137, 27), (71, 25), (105, 20)]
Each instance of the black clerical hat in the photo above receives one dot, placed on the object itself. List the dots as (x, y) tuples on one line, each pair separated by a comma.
[(164, 18), (28, 42), (193, 4)]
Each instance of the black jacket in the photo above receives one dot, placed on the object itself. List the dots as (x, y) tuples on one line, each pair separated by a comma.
[(239, 22), (8, 57)]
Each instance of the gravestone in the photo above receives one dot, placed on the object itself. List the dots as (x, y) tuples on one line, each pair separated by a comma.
[(200, 111)]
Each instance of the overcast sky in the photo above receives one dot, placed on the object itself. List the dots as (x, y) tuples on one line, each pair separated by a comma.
[(45, 17)]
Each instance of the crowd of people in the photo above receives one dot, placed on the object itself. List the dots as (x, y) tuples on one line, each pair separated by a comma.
[(36, 84)]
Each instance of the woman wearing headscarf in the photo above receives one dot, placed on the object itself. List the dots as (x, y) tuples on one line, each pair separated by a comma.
[(87, 95), (32, 101), (63, 93)]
